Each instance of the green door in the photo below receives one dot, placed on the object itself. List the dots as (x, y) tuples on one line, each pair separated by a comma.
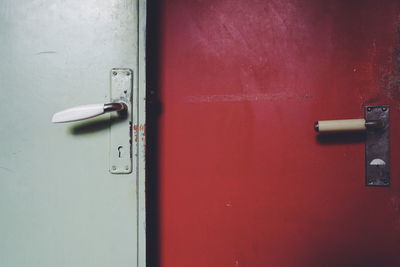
[(60, 204)]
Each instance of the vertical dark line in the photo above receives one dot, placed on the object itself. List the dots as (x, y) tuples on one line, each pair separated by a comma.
[(153, 108)]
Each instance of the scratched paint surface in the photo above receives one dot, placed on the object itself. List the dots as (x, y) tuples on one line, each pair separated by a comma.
[(244, 181)]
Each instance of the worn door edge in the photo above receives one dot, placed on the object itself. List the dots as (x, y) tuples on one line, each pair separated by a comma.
[(140, 129)]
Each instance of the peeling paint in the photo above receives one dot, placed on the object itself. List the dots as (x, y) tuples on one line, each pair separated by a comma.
[(141, 128)]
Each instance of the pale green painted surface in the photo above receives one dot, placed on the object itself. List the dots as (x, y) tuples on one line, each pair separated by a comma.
[(59, 205)]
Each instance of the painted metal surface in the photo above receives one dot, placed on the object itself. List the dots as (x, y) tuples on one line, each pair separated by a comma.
[(59, 204), (121, 149), (243, 179)]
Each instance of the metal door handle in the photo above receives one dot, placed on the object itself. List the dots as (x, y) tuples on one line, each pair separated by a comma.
[(122, 96), (376, 126), (87, 111)]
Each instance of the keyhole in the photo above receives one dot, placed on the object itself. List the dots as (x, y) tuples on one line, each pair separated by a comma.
[(119, 151)]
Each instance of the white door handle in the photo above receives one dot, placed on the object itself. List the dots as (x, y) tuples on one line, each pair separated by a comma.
[(87, 111)]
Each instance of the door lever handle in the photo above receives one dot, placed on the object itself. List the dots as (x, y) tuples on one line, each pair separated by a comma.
[(376, 126), (87, 111), (347, 125), (122, 148)]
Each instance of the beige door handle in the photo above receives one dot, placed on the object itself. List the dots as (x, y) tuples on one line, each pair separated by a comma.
[(346, 125)]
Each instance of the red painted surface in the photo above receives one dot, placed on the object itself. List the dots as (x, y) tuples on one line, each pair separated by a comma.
[(244, 180)]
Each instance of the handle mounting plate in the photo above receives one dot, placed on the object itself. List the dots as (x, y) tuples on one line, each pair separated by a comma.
[(121, 124), (377, 158)]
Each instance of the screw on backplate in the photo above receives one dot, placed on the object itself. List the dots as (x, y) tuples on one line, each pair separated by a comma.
[(384, 108), (126, 167), (114, 73), (128, 73), (369, 109), (370, 181), (113, 168)]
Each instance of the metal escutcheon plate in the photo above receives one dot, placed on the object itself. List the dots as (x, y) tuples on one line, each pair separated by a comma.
[(377, 158), (121, 123)]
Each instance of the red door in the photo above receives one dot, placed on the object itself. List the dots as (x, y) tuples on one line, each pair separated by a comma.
[(241, 177)]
